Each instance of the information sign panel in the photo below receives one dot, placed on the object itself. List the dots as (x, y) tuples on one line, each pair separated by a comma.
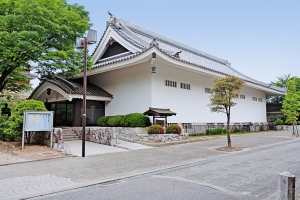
[(38, 121)]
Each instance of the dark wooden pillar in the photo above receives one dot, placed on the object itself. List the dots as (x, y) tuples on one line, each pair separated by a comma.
[(76, 112)]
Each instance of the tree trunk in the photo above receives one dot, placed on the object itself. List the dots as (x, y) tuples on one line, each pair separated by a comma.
[(294, 129), (228, 130)]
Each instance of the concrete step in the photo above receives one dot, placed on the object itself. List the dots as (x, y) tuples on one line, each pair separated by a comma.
[(69, 135)]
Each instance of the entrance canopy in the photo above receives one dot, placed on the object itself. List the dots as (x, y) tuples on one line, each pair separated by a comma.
[(159, 113), (55, 88)]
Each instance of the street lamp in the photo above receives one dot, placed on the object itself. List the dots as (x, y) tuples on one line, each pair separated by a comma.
[(153, 68), (81, 43)]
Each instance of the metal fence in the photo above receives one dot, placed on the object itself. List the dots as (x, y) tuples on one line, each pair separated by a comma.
[(201, 129)]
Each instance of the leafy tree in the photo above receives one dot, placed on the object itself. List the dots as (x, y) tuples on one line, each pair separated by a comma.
[(282, 82), (39, 31), (224, 91), (291, 105), (14, 123)]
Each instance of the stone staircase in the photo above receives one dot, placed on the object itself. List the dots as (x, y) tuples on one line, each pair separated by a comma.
[(69, 135)]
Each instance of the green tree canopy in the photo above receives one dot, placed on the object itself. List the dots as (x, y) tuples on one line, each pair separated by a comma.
[(282, 82), (291, 104), (224, 91), (40, 31)]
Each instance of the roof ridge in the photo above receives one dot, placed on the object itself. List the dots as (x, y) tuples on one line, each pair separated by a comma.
[(166, 40)]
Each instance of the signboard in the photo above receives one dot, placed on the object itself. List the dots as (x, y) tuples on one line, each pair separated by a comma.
[(38, 121)]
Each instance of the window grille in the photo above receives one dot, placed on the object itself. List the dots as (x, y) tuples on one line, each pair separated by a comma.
[(185, 86), (171, 83)]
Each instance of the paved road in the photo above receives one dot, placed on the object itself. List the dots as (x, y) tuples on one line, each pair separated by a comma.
[(250, 174), (31, 179)]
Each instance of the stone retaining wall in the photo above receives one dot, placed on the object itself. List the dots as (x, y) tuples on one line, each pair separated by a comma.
[(101, 135), (110, 135), (141, 135)]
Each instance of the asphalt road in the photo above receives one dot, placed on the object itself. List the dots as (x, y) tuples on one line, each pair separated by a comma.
[(249, 174)]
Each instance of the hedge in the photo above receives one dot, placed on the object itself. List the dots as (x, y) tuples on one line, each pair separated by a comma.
[(129, 120)]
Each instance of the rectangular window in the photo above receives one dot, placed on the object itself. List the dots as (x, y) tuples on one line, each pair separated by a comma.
[(242, 96), (185, 86), (254, 98), (207, 90), (259, 99), (171, 83)]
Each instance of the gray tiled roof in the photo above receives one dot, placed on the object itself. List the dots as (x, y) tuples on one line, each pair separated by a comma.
[(142, 39), (74, 88)]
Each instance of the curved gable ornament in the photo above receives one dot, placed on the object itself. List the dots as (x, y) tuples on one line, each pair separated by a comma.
[(41, 93)]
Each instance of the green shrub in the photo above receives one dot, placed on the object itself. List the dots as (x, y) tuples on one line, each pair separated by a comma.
[(103, 121), (15, 121), (129, 120), (279, 121), (135, 120), (237, 130), (156, 129), (3, 126), (173, 129), (217, 131), (114, 121)]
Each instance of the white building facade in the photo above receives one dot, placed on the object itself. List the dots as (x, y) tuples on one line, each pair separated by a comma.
[(122, 68)]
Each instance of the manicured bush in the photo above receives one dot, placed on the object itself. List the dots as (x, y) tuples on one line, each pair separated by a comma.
[(102, 121), (279, 121), (15, 121), (129, 120), (135, 120), (114, 121), (156, 129), (173, 129), (217, 131)]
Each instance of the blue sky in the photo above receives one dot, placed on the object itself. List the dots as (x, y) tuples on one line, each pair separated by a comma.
[(261, 38)]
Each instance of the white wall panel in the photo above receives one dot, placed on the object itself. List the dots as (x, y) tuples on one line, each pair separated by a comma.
[(191, 106), (130, 87)]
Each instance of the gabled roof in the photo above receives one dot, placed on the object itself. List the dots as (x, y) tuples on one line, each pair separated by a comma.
[(72, 89), (144, 40), (159, 112)]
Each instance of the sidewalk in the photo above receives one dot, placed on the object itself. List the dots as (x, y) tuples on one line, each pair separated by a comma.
[(61, 174), (96, 149)]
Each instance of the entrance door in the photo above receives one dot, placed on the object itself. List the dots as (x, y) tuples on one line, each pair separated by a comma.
[(63, 113)]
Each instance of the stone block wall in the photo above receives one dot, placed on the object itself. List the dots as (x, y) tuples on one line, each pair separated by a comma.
[(110, 135), (101, 135), (141, 135)]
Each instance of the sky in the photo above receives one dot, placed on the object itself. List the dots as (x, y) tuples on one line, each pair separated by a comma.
[(260, 38)]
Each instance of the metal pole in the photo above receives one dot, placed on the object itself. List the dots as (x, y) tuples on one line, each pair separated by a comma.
[(84, 99)]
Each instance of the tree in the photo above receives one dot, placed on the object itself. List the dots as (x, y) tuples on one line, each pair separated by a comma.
[(282, 82), (43, 32), (224, 91), (14, 124), (291, 105)]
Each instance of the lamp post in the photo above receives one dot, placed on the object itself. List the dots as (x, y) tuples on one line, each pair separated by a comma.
[(81, 43), (153, 68)]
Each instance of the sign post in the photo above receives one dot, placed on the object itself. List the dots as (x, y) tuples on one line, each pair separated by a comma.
[(37, 121)]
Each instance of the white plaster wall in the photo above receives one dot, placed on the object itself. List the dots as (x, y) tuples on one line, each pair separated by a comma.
[(130, 87), (191, 106)]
